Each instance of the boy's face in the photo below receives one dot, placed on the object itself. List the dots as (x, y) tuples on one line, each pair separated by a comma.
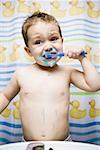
[(44, 38)]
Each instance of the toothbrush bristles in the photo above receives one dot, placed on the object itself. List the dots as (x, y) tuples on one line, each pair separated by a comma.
[(54, 55), (83, 53)]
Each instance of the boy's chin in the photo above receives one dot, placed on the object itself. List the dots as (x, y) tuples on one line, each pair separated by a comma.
[(46, 65)]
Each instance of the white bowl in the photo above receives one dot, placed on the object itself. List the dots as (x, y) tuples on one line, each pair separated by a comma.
[(55, 145)]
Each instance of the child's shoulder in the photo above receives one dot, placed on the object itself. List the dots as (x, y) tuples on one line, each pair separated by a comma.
[(22, 69), (66, 68)]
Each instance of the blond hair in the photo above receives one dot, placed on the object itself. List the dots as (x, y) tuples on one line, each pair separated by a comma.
[(31, 20)]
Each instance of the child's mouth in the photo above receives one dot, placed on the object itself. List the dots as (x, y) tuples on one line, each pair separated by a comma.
[(49, 55)]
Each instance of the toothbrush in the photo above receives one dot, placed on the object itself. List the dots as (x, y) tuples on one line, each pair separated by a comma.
[(53, 55), (83, 53)]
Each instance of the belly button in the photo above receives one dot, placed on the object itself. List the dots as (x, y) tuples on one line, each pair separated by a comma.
[(62, 93), (43, 135)]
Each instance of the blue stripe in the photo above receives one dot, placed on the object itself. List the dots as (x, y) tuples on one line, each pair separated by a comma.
[(18, 23), (65, 30), (80, 24), (4, 140), (94, 140), (11, 125), (80, 19), (6, 72), (60, 21), (64, 34), (10, 35), (12, 20), (83, 30), (10, 133), (3, 85), (14, 65), (9, 30), (70, 35), (85, 133), (84, 125), (5, 79), (71, 125)]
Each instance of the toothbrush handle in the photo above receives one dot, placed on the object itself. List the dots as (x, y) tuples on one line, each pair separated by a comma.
[(60, 54), (83, 53)]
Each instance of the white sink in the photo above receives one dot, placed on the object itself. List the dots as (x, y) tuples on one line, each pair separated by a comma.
[(55, 145)]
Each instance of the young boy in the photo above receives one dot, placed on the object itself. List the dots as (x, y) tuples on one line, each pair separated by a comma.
[(44, 85)]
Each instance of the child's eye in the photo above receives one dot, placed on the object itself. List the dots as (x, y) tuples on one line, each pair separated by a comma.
[(54, 38), (38, 42)]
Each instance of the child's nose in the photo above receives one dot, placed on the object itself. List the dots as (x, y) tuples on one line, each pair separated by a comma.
[(49, 49), (48, 46)]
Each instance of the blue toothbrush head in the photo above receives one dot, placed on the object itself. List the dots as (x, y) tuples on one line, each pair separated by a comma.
[(83, 53)]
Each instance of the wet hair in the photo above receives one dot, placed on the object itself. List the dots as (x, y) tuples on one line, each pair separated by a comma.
[(33, 19)]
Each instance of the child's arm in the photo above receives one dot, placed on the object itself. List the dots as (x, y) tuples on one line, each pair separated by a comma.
[(87, 80), (9, 93)]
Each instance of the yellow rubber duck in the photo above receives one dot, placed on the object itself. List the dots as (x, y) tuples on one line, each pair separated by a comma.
[(9, 9), (36, 6), (2, 54), (75, 9), (93, 112), (55, 10), (22, 7), (16, 113), (6, 113), (91, 12), (88, 50), (15, 54), (75, 112), (96, 56)]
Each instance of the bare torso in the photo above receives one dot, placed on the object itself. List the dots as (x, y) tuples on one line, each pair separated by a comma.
[(44, 103)]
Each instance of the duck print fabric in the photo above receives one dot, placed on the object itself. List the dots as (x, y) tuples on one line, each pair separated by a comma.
[(80, 24)]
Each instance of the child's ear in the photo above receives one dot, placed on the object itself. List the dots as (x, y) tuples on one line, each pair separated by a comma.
[(28, 51), (62, 40)]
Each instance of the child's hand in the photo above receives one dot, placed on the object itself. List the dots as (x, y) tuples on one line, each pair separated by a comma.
[(74, 54)]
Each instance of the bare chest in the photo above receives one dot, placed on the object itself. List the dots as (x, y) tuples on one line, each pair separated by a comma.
[(44, 85)]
